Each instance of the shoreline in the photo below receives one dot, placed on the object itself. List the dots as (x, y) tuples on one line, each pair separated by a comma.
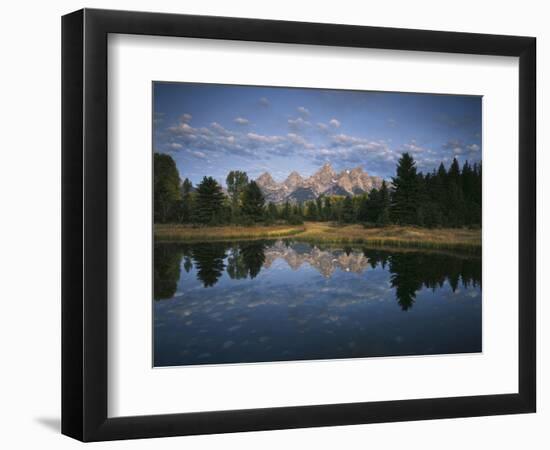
[(393, 236)]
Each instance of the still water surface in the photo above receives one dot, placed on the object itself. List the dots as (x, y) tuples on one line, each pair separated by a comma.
[(280, 300)]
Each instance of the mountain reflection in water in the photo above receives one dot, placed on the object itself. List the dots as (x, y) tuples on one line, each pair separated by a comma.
[(281, 300)]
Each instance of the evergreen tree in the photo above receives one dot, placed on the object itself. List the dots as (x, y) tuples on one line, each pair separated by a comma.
[(336, 205), (364, 207), (455, 196), (311, 210), (253, 202), (476, 193), (450, 198), (383, 218), (454, 173), (296, 216), (319, 204), (209, 201), (166, 188), (405, 193), (373, 206), (421, 200), (236, 183), (431, 210), (471, 187), (348, 213), (467, 185), (438, 196), (467, 177), (272, 212), (327, 209), (186, 200), (286, 213), (300, 210)]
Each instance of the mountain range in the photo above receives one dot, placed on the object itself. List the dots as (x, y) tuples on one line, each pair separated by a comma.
[(326, 181)]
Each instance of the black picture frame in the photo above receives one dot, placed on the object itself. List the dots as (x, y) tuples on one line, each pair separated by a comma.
[(84, 224)]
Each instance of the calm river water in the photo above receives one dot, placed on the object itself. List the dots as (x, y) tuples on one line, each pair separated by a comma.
[(258, 301)]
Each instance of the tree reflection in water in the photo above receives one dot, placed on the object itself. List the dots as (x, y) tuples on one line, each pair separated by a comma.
[(410, 270), (209, 261), (246, 260), (166, 270)]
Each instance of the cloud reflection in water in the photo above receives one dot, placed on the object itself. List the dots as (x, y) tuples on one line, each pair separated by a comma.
[(278, 300)]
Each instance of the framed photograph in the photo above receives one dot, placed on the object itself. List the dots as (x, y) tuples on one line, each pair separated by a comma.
[(274, 225)]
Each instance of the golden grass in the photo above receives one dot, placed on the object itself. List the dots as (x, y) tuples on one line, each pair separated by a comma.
[(168, 232), (391, 236)]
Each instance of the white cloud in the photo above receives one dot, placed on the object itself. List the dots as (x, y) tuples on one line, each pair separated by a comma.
[(322, 126), (333, 123), (186, 117), (264, 102), (219, 129), (459, 148), (413, 148), (215, 141), (344, 139), (328, 152), (299, 140), (198, 154), (264, 139), (358, 150), (298, 124), (181, 128), (454, 145), (241, 121), (303, 111)]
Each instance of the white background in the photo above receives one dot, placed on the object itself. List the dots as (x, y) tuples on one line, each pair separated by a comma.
[(135, 389), (30, 236)]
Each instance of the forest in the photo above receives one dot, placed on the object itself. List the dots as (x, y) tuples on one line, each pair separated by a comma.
[(446, 197)]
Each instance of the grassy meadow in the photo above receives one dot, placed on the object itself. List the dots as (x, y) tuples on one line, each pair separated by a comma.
[(189, 233), (326, 232)]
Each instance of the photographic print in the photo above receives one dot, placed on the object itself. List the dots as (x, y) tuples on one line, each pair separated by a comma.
[(314, 224)]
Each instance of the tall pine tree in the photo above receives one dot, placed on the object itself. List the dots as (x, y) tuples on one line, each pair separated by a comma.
[(166, 188), (186, 200), (253, 202), (405, 192), (348, 213), (455, 196), (209, 201), (385, 203)]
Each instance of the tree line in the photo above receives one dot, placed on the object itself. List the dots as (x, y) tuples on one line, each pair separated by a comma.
[(441, 198)]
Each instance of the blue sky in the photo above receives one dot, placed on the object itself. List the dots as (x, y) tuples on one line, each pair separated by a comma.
[(210, 129)]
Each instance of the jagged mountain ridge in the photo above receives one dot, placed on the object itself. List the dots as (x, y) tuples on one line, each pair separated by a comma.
[(326, 181)]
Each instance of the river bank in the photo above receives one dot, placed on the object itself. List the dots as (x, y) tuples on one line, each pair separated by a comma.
[(326, 232)]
